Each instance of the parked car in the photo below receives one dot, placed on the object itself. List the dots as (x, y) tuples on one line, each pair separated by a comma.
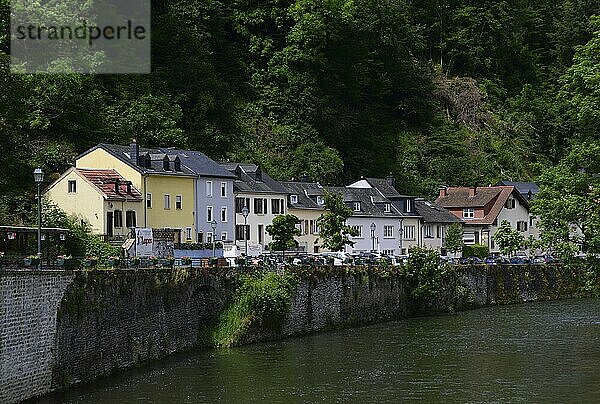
[(520, 260), (496, 261), (470, 261)]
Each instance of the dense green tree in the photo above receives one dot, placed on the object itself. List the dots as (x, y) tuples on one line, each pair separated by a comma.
[(333, 229), (509, 240), (454, 238), (283, 230)]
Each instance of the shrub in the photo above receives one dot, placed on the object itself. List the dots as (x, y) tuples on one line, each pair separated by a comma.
[(476, 250)]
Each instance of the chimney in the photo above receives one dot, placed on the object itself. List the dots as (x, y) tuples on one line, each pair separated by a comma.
[(134, 152), (443, 192), (117, 184), (129, 187), (529, 195), (472, 192), (391, 180)]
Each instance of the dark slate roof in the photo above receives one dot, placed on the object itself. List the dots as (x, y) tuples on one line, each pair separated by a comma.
[(303, 190), (251, 179), (105, 181), (432, 213), (371, 202), (524, 188), (199, 163), (383, 186), (193, 163)]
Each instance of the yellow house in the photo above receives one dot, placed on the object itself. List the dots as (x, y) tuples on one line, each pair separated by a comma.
[(167, 186), (103, 198)]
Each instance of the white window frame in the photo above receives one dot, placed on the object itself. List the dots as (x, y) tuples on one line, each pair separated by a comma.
[(178, 201), (74, 183), (293, 198), (388, 231), (358, 228), (224, 236), (223, 190), (409, 232), (209, 237), (387, 208), (209, 189), (408, 206), (320, 200), (209, 214), (357, 206), (468, 213), (149, 200), (224, 214), (167, 201), (428, 231), (188, 233)]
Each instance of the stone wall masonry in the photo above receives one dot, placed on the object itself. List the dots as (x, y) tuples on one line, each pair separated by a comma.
[(61, 328), (28, 311)]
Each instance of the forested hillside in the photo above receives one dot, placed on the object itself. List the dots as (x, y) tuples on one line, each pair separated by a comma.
[(451, 92)]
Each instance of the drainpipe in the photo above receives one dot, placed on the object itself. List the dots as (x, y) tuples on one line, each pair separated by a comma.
[(145, 195), (196, 206)]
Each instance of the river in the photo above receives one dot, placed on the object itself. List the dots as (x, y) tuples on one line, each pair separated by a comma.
[(537, 352)]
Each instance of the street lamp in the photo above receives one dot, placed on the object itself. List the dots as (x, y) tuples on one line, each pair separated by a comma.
[(213, 224), (373, 227), (245, 212), (401, 234), (38, 177)]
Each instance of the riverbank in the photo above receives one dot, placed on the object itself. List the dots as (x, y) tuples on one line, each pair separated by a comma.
[(88, 324)]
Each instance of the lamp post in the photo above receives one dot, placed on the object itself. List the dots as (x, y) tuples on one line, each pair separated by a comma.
[(401, 234), (373, 227), (213, 224), (245, 212), (38, 177)]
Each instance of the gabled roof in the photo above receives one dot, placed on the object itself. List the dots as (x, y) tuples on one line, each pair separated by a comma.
[(105, 181), (251, 179), (193, 163), (372, 203), (380, 184), (303, 190), (433, 213), (459, 198)]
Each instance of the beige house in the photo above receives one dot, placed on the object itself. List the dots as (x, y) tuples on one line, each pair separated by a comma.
[(103, 198), (306, 201)]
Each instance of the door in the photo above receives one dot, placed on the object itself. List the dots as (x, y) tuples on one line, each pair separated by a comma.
[(109, 224), (260, 234)]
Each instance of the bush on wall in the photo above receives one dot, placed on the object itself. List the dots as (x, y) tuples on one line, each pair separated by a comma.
[(476, 250)]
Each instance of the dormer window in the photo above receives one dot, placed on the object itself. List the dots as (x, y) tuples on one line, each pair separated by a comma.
[(510, 203), (387, 208), (177, 165), (357, 206), (294, 198), (166, 165), (320, 200), (468, 213), (408, 205)]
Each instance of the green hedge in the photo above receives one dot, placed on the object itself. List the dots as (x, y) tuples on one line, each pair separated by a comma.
[(476, 250)]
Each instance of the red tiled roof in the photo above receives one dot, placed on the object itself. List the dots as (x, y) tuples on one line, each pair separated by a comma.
[(105, 181), (458, 197)]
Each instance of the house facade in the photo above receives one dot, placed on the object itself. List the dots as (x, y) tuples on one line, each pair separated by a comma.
[(109, 203), (483, 209), (306, 201), (435, 221), (408, 224), (264, 198)]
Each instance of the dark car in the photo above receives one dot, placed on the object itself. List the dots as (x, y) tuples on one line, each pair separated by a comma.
[(519, 260)]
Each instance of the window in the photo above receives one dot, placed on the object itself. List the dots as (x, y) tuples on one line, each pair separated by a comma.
[(242, 232), (261, 233), (118, 218), (387, 208), (224, 214), (388, 231), (510, 203), (224, 236), (149, 201), (522, 226), (188, 233), (209, 237), (178, 202), (469, 238), (468, 213), (240, 203), (357, 206), (223, 190), (260, 206), (277, 206), (130, 220), (313, 227), (409, 232), (167, 201), (428, 231), (72, 186), (294, 198), (358, 230), (209, 214), (530, 221), (320, 200), (388, 252), (408, 205), (440, 231), (201, 237), (209, 189)]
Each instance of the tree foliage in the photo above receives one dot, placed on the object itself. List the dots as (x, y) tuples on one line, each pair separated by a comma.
[(509, 240), (333, 229), (283, 230), (454, 238)]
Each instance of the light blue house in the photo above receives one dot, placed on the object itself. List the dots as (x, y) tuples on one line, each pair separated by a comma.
[(214, 198)]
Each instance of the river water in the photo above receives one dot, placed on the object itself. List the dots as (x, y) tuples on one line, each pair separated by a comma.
[(538, 352)]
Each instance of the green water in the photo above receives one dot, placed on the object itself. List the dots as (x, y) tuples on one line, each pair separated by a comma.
[(540, 352)]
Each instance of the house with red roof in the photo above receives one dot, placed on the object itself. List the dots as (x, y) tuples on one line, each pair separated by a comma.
[(103, 198), (483, 209)]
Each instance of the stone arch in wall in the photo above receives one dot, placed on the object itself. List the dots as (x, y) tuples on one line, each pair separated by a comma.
[(204, 306)]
